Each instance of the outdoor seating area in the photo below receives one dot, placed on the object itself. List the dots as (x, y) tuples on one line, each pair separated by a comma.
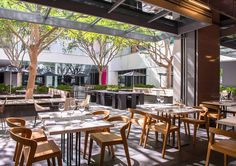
[(117, 82)]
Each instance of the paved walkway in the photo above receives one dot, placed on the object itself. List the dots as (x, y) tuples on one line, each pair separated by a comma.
[(149, 156)]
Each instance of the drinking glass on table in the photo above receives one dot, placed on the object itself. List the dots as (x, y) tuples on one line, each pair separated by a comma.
[(81, 109), (158, 99), (162, 99), (61, 107)]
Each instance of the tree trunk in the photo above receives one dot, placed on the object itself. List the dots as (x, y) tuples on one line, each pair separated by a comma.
[(32, 74), (100, 77), (169, 76)]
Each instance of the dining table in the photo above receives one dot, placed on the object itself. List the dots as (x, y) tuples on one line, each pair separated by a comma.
[(230, 121), (70, 124), (223, 106), (171, 110)]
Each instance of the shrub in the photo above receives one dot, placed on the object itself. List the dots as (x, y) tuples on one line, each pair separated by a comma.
[(113, 87), (64, 87), (100, 87), (42, 89), (144, 86), (4, 88)]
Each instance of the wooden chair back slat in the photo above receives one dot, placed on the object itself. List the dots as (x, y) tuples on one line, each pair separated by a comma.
[(124, 119), (136, 111), (15, 122), (106, 113)]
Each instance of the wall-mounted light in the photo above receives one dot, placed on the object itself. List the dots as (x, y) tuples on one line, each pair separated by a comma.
[(199, 4)]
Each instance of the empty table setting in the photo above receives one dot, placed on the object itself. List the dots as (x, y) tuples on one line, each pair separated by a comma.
[(70, 124)]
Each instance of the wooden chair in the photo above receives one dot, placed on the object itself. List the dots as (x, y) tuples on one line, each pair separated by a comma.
[(109, 138), (37, 135), (226, 146), (85, 103), (214, 112), (68, 103), (2, 109), (34, 151), (137, 117), (163, 125), (201, 120), (106, 114), (38, 109)]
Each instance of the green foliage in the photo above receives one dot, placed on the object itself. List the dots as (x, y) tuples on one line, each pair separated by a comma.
[(100, 87), (64, 87), (233, 92), (125, 87), (42, 89), (222, 88), (13, 89), (144, 86), (113, 87), (4, 88), (229, 89)]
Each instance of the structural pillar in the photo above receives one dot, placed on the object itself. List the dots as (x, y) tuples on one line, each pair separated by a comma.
[(200, 65)]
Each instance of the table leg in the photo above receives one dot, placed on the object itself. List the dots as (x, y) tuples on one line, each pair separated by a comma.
[(173, 133), (63, 146), (67, 149), (77, 149)]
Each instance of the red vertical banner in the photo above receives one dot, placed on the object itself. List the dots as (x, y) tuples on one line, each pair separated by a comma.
[(104, 76)]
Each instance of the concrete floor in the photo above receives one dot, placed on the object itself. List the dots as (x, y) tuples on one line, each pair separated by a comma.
[(189, 155)]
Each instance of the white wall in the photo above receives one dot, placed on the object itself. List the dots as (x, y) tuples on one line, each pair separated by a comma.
[(134, 61), (229, 73)]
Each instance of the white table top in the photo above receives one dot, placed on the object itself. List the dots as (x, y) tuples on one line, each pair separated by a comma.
[(226, 103), (57, 123), (169, 109), (231, 121)]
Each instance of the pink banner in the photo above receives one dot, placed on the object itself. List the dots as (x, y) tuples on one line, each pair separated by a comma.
[(104, 77)]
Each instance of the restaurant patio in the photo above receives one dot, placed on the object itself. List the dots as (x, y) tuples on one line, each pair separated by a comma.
[(117, 82)]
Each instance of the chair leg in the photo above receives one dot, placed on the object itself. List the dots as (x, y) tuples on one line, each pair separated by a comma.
[(208, 155), (35, 120), (16, 152), (194, 134), (53, 161), (207, 130), (59, 160), (146, 138), (142, 135), (90, 150), (127, 153), (185, 129), (49, 162), (85, 143), (179, 140), (188, 129), (102, 155), (164, 145), (22, 158), (225, 160), (112, 151), (128, 130), (156, 135)]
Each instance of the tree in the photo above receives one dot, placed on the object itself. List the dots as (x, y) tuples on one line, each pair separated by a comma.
[(34, 37), (13, 48), (101, 49), (161, 54), (40, 37)]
